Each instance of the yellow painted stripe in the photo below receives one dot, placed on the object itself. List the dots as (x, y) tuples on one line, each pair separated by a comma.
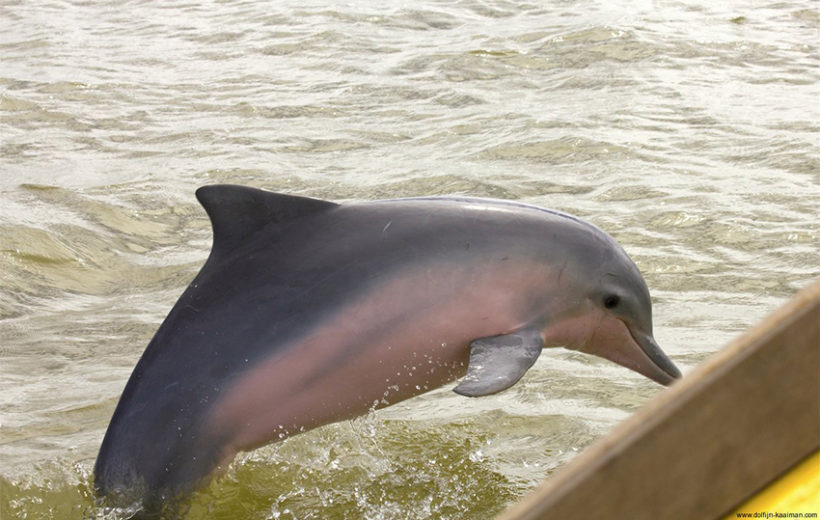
[(798, 491)]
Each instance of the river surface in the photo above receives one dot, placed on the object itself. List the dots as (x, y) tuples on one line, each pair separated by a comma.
[(690, 131)]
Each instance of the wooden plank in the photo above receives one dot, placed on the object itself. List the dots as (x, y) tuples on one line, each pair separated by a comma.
[(703, 446)]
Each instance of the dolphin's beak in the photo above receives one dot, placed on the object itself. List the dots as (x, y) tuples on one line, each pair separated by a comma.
[(616, 341), (661, 370)]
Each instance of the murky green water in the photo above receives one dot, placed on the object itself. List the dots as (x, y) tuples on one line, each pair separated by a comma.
[(687, 130)]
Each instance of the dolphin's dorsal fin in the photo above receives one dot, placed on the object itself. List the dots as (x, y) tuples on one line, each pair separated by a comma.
[(236, 212), (498, 362)]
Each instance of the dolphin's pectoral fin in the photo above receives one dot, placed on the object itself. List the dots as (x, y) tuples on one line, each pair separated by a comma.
[(498, 362)]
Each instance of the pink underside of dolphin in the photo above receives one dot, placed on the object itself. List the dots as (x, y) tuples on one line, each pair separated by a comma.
[(416, 331)]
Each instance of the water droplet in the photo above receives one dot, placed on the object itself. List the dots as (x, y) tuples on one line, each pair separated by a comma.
[(477, 456)]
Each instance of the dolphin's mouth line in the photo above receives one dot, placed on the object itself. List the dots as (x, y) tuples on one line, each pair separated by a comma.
[(649, 347)]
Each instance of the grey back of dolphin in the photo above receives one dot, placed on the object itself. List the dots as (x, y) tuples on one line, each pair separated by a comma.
[(302, 301)]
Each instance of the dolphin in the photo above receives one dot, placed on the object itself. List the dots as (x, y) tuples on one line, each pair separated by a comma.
[(308, 312)]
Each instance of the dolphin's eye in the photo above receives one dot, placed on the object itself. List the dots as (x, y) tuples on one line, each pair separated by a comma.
[(611, 301)]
